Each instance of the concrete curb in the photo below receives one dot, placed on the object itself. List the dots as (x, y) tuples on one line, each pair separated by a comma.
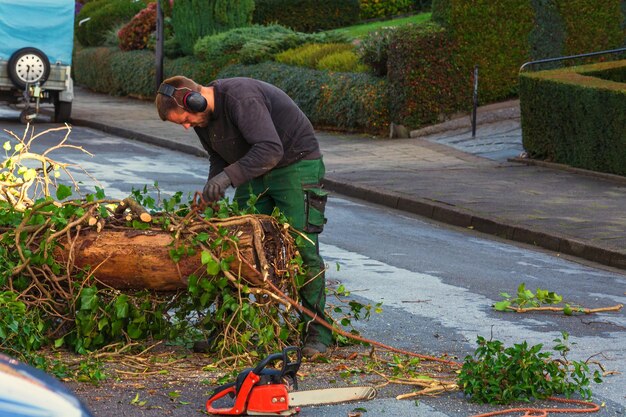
[(580, 171), (130, 134), (463, 218)]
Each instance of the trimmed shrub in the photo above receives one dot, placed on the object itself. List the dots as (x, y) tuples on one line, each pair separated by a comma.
[(134, 73), (194, 19), (111, 71), (425, 82), (499, 47), (307, 15), (309, 55), (374, 9), (345, 61), (136, 33), (353, 102), (103, 16), (571, 117), (90, 68)]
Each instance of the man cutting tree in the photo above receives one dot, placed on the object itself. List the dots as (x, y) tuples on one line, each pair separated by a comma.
[(260, 142)]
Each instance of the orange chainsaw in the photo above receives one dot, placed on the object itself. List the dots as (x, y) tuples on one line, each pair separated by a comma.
[(265, 391)]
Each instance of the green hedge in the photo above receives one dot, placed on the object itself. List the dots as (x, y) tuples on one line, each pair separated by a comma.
[(500, 35), (591, 25), (307, 15), (424, 80), (354, 102), (111, 71), (572, 117)]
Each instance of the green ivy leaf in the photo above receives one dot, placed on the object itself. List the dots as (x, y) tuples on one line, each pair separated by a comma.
[(63, 191), (502, 305), (88, 298)]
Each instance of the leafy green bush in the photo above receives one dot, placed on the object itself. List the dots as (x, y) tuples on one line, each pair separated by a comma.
[(21, 330), (374, 50), (194, 19), (371, 9), (344, 61), (353, 102), (308, 55), (103, 15), (499, 375), (307, 15)]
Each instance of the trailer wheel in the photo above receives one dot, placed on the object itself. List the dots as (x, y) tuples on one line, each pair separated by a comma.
[(28, 66)]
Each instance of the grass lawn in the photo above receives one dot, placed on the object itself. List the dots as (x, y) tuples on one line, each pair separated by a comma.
[(359, 31)]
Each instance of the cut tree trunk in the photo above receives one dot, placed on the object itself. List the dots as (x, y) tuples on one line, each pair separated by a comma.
[(125, 258)]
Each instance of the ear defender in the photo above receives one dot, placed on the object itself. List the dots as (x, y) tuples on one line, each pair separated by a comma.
[(193, 101)]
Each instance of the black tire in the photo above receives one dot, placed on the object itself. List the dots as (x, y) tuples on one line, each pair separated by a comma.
[(20, 65), (26, 116), (62, 111)]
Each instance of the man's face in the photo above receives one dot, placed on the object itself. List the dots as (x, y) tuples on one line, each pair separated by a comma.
[(188, 119)]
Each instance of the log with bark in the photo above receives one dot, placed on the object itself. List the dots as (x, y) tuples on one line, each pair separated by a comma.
[(126, 258)]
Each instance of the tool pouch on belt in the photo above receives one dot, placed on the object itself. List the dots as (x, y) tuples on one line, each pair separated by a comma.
[(314, 204)]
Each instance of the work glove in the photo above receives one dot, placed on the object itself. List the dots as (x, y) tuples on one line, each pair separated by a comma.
[(215, 187)]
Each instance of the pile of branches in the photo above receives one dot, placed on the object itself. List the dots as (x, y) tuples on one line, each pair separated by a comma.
[(90, 271)]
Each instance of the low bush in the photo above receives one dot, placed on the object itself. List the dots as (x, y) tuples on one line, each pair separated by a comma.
[(232, 41), (344, 61), (309, 55), (255, 44), (345, 101)]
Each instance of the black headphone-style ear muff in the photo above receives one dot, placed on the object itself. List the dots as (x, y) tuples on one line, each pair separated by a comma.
[(192, 100)]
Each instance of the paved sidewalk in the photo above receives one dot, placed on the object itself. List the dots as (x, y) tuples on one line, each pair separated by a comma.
[(564, 210)]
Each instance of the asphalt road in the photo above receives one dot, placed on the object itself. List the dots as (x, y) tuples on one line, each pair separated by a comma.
[(437, 285)]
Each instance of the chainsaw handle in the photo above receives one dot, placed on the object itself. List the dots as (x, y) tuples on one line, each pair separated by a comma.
[(216, 396), (288, 367)]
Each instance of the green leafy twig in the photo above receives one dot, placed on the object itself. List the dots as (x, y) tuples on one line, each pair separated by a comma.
[(543, 300)]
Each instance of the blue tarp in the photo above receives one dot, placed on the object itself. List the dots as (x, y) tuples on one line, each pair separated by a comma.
[(47, 25)]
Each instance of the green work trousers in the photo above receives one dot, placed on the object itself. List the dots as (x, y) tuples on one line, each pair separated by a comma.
[(297, 192)]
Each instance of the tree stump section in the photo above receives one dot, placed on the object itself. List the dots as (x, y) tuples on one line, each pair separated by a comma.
[(125, 258)]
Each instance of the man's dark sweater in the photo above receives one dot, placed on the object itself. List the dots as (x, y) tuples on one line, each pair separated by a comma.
[(254, 127)]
